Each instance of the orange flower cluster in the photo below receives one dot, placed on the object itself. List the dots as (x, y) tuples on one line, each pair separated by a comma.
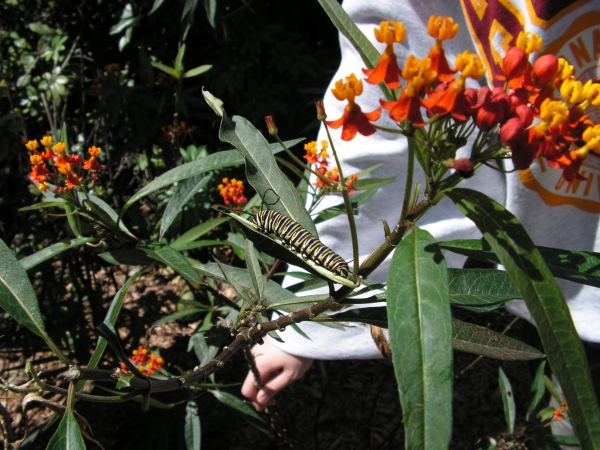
[(321, 159), (65, 177), (233, 192), (146, 362), (562, 132)]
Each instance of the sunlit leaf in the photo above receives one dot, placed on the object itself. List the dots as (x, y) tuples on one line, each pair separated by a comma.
[(67, 436), (172, 258), (546, 304), (420, 332), (192, 428), (508, 400), (51, 251)]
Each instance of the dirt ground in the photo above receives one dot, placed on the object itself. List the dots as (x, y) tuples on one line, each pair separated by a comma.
[(337, 405)]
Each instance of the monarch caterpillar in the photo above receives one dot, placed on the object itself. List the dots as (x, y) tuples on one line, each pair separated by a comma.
[(292, 233), (104, 234)]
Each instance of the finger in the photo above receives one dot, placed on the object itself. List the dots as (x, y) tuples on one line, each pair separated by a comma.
[(249, 389), (273, 386)]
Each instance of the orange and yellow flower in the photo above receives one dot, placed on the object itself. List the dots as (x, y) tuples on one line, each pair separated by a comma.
[(387, 70), (92, 164), (146, 362), (353, 120), (441, 28), (232, 192)]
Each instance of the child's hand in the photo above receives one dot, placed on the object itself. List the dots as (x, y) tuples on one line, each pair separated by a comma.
[(277, 369)]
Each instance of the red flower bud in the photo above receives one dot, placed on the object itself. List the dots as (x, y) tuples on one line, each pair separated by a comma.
[(514, 63), (494, 108), (271, 125), (511, 131), (525, 114), (463, 166), (519, 97), (545, 68), (321, 115)]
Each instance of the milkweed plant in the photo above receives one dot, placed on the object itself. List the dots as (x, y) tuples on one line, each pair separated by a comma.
[(539, 112)]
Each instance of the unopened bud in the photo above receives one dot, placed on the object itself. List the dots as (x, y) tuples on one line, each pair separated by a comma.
[(511, 131), (463, 166), (321, 115), (271, 125), (514, 63), (545, 68)]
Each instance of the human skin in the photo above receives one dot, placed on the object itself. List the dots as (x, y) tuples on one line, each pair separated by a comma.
[(277, 370)]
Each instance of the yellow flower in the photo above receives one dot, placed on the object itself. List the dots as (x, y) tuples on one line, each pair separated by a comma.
[(94, 151), (46, 141), (592, 138), (592, 92), (390, 32), (32, 145), (529, 42), (442, 28), (565, 70), (572, 91), (36, 160), (348, 89), (469, 65), (65, 168), (43, 186), (554, 112), (59, 147)]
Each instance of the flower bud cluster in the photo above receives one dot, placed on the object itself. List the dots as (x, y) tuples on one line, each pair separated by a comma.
[(146, 362), (533, 121), (67, 168), (321, 158), (233, 193)]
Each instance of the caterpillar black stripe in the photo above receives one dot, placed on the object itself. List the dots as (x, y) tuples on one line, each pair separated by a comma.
[(292, 233), (104, 234)]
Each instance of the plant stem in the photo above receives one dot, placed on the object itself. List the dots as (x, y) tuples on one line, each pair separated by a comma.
[(301, 164), (409, 178)]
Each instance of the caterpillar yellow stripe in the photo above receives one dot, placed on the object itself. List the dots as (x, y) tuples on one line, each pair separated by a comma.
[(293, 234)]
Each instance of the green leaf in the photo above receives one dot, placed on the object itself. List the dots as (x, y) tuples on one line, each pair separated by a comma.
[(337, 210), (110, 319), (466, 337), (179, 61), (198, 70), (41, 29), (172, 258), (38, 257), (178, 315), (485, 342), (196, 232), (577, 266), (273, 293), (570, 441), (211, 11), (241, 291), (372, 183), (508, 400), (480, 290), (241, 408), (67, 435), (126, 257), (421, 339), (215, 103), (359, 41), (545, 301), (537, 391), (104, 211), (192, 428), (17, 297), (216, 161), (157, 4), (166, 69), (258, 282), (42, 205), (126, 21), (262, 171), (185, 192)]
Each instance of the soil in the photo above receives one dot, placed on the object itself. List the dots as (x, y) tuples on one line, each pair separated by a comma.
[(337, 405)]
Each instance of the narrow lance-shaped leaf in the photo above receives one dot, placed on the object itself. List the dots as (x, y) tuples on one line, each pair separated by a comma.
[(546, 303), (508, 400), (466, 337), (537, 391), (262, 171), (480, 290), (421, 339), (192, 428), (573, 265), (67, 435), (241, 408), (172, 258), (196, 232), (185, 192), (258, 281), (16, 293), (49, 252)]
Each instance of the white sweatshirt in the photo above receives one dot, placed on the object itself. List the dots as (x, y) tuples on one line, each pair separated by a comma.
[(554, 213)]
